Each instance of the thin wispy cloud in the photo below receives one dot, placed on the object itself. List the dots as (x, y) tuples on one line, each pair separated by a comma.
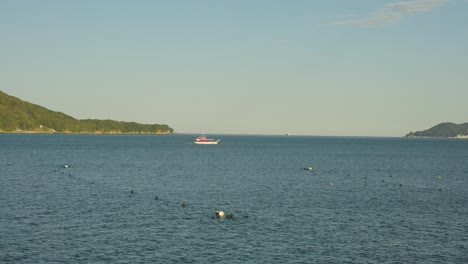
[(392, 13)]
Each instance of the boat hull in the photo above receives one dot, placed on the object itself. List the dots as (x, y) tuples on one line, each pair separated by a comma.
[(214, 142)]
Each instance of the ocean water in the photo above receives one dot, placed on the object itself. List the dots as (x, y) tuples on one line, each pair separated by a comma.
[(367, 200)]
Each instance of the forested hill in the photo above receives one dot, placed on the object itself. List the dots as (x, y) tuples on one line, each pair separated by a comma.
[(20, 116), (443, 130)]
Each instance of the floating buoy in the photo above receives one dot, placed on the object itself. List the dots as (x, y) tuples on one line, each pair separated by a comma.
[(66, 166), (308, 168), (219, 214), (440, 177), (332, 184), (184, 204)]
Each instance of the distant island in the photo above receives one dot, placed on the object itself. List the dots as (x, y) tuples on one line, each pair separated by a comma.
[(18, 116), (443, 130)]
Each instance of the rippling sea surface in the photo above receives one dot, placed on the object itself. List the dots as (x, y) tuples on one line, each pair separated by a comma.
[(367, 200)]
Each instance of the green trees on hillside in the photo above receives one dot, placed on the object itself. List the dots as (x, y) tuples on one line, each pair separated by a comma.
[(20, 116), (111, 126), (442, 130)]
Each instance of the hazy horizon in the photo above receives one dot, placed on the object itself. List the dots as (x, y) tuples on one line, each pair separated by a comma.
[(324, 68)]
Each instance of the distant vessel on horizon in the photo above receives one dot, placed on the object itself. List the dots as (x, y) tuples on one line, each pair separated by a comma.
[(204, 140)]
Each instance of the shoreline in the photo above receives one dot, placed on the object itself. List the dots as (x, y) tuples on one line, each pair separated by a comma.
[(86, 133), (457, 137)]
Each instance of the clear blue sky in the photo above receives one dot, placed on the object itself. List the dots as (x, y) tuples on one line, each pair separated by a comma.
[(349, 67)]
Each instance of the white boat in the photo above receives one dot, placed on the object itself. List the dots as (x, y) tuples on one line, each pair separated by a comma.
[(203, 140)]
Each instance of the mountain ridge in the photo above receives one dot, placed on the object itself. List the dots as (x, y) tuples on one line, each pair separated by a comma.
[(18, 116), (443, 130)]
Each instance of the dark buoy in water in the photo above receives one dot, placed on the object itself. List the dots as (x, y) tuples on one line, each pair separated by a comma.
[(156, 197), (184, 204), (131, 192), (440, 189)]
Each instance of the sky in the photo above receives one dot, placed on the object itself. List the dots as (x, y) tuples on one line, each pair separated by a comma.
[(306, 67)]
